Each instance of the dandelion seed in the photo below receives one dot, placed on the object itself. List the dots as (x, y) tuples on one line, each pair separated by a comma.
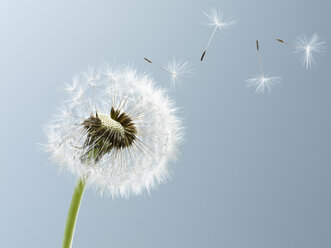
[(262, 82), (215, 18), (307, 47), (121, 138), (176, 70)]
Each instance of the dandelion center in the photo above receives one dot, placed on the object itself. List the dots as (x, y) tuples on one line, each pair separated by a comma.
[(111, 124), (107, 132)]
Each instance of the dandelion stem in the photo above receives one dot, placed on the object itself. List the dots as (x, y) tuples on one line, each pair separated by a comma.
[(73, 213)]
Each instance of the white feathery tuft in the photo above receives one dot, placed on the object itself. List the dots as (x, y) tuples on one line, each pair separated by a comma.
[(177, 71), (216, 18), (262, 83), (309, 47)]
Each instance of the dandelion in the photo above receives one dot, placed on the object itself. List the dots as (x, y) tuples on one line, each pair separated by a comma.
[(307, 48), (215, 18), (116, 132), (176, 70), (262, 82)]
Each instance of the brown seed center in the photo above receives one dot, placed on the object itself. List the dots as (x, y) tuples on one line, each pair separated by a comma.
[(107, 132)]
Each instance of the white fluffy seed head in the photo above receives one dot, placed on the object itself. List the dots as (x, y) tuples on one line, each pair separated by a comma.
[(127, 169)]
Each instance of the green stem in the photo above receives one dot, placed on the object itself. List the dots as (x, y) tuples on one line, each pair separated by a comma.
[(72, 214)]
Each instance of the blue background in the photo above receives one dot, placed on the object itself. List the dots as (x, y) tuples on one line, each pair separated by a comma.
[(254, 170)]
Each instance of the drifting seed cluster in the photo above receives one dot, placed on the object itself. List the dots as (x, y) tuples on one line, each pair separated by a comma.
[(107, 132)]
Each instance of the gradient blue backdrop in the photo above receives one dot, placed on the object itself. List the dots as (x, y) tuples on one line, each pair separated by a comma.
[(254, 170)]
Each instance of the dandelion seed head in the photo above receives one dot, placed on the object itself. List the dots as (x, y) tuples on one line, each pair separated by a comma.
[(309, 47), (263, 83), (120, 132), (216, 18)]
